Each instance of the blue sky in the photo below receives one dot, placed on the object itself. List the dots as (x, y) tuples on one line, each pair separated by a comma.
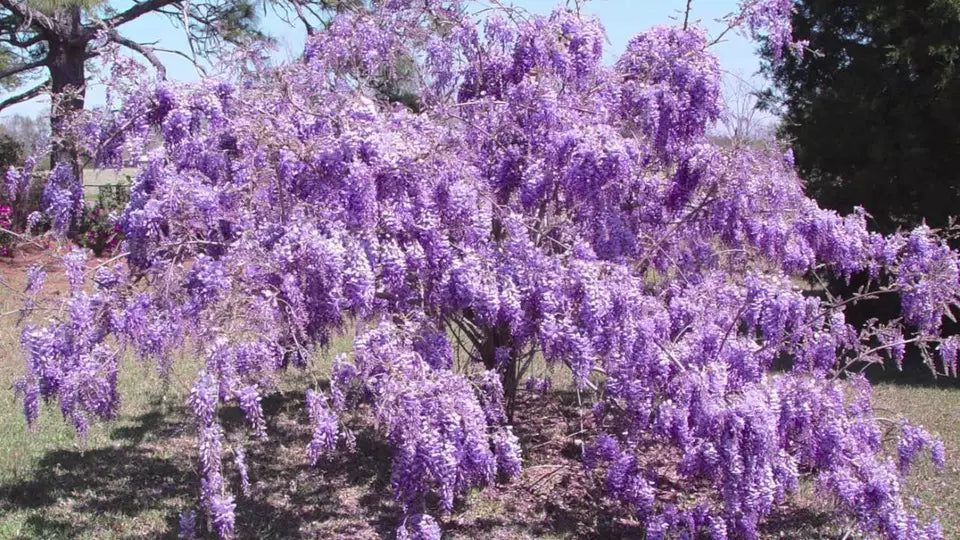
[(622, 19)]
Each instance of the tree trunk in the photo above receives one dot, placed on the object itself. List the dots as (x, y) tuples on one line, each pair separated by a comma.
[(492, 339), (67, 61)]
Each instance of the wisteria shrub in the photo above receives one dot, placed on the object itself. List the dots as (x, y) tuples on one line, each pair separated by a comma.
[(538, 203), (22, 196)]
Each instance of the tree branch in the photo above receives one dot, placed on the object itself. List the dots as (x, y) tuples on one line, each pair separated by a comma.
[(29, 94), (303, 18), (12, 40), (30, 17), (135, 11), (144, 50), (13, 70), (199, 67)]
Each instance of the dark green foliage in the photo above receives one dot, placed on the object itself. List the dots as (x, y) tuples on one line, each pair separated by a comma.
[(31, 203), (97, 230), (11, 152), (13, 214), (873, 112)]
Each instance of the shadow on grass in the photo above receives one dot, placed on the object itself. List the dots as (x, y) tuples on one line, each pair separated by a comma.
[(793, 523), (138, 486), (70, 493), (347, 495), (152, 425)]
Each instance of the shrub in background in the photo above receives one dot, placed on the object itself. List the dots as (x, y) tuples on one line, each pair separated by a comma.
[(99, 230)]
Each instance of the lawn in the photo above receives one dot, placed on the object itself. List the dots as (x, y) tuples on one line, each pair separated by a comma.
[(134, 475)]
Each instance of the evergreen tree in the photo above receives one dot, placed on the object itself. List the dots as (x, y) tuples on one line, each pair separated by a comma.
[(873, 110)]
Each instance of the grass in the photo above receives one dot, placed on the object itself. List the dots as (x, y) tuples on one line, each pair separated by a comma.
[(930, 493), (136, 474), (937, 409), (51, 486)]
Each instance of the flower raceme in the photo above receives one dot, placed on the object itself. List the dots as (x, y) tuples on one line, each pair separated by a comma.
[(533, 202)]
